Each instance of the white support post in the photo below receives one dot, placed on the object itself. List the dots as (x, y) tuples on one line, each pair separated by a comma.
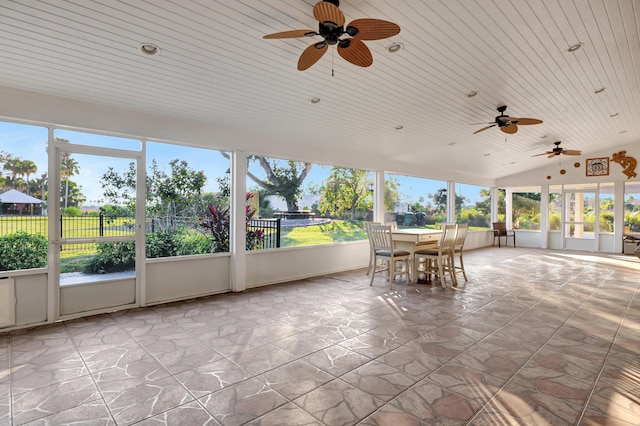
[(53, 219), (451, 201), (141, 225), (544, 216), (238, 231), (378, 200)]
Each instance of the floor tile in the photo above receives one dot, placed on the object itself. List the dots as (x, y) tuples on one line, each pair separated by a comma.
[(338, 403), (295, 379), (242, 402)]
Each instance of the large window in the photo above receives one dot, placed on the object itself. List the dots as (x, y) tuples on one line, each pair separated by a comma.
[(632, 206), (187, 201), (525, 211), (23, 196), (555, 207), (473, 205), (415, 202), (607, 202), (316, 204)]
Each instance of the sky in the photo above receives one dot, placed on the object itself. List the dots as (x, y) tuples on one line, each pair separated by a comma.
[(30, 142)]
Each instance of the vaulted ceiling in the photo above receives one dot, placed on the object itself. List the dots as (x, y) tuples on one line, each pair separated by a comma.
[(412, 106)]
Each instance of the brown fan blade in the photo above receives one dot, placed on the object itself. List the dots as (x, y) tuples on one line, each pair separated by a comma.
[(374, 29), (572, 152), (525, 121), (325, 11), (545, 153), (310, 56), (552, 155), (510, 129), (356, 52), (484, 122), (291, 34), (484, 128)]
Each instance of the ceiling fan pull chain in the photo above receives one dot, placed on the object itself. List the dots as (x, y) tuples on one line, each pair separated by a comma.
[(332, 57)]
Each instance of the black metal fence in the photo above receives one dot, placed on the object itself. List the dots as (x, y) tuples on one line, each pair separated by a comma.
[(106, 226), (271, 228)]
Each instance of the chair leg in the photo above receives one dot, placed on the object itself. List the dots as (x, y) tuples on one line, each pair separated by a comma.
[(371, 256), (464, 274)]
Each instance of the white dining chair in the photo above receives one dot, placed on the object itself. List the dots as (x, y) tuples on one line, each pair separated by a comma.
[(439, 260), (386, 257)]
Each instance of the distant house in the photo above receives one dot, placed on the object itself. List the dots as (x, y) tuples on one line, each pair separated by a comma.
[(15, 202)]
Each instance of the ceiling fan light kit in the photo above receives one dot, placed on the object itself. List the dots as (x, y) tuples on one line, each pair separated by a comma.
[(349, 39), (557, 150), (508, 124)]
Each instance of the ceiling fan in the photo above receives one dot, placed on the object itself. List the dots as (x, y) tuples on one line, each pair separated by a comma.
[(508, 124), (557, 151), (333, 31)]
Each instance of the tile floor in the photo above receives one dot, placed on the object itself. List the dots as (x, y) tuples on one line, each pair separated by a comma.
[(535, 337)]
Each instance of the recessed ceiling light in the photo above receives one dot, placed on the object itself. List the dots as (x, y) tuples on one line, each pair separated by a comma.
[(487, 154), (615, 114), (399, 127), (315, 100), (513, 162), (624, 131), (395, 47), (574, 48), (451, 143), (472, 93), (544, 136), (149, 49), (600, 90)]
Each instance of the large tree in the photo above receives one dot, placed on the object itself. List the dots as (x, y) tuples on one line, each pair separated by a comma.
[(284, 177), (346, 191), (28, 168)]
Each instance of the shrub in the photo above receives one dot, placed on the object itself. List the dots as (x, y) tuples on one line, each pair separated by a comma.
[(72, 211), (22, 250), (113, 257), (161, 244)]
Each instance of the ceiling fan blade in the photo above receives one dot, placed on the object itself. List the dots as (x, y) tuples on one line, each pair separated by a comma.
[(552, 155), (291, 34), (325, 11), (374, 29), (484, 122), (545, 153), (572, 152), (310, 56), (510, 129), (484, 128), (526, 121), (356, 52)]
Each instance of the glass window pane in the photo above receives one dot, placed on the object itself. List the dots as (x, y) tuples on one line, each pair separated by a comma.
[(607, 202), (187, 200), (555, 207), (526, 210), (23, 196), (632, 206), (473, 205), (316, 204), (415, 202)]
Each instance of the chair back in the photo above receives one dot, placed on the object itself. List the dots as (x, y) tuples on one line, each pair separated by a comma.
[(367, 227), (381, 237), (448, 237), (463, 228), (500, 228)]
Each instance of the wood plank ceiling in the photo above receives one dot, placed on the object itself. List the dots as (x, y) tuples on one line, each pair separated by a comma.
[(214, 66)]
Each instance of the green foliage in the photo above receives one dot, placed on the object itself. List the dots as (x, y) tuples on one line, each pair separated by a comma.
[(176, 193), (180, 242), (22, 250), (72, 211), (113, 257), (346, 194), (217, 225)]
